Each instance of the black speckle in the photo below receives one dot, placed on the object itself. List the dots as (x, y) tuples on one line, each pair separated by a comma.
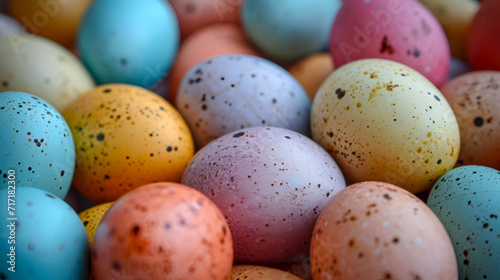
[(62, 172), (239, 134), (38, 144), (100, 137), (204, 107), (288, 137), (439, 161), (478, 121), (117, 266), (31, 247), (5, 83), (232, 85), (493, 216), (437, 98), (49, 195), (85, 223), (340, 93), (387, 196), (168, 226), (486, 225), (466, 262), (107, 90), (274, 100), (135, 230), (222, 78), (386, 47), (416, 53), (169, 148)]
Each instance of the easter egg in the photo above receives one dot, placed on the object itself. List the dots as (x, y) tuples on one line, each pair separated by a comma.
[(92, 217), (311, 71), (257, 272), (483, 40)]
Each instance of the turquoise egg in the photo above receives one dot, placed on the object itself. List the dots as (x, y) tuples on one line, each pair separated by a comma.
[(467, 201)]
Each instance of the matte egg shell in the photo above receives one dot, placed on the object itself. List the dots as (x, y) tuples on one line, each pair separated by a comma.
[(125, 137), (48, 238), (194, 15), (92, 217), (230, 92), (271, 184), (256, 272), (216, 39), (43, 68), (375, 230), (311, 71), (383, 121), (483, 40), (475, 99), (9, 26), (467, 201), (403, 31), (163, 231), (36, 144)]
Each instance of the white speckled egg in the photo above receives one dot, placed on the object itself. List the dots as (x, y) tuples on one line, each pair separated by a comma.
[(230, 92), (383, 121)]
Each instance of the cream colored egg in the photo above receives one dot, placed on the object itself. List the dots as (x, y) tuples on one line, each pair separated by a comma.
[(257, 272), (43, 68), (311, 71), (383, 121), (92, 217)]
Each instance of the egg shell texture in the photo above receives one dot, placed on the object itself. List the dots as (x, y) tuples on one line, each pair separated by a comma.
[(271, 184), (403, 31), (125, 137), (375, 230), (231, 92), (92, 217), (467, 201), (475, 99), (163, 231), (37, 144), (256, 272), (383, 121), (49, 239)]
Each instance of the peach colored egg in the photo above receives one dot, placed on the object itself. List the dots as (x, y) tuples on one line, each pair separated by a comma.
[(311, 71), (215, 39), (374, 230), (163, 231), (475, 99), (193, 15), (92, 217), (257, 272)]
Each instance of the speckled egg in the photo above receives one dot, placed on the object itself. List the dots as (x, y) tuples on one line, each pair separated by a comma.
[(41, 67), (229, 92), (311, 71), (271, 184), (257, 272), (125, 137), (216, 39), (402, 31), (36, 143), (467, 201), (194, 15), (92, 217), (475, 99), (383, 121), (375, 230), (9, 26), (483, 40), (163, 231), (289, 30), (43, 238)]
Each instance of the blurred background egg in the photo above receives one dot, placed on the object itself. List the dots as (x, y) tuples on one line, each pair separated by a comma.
[(311, 71), (375, 230), (50, 240), (230, 92), (289, 30), (383, 121), (271, 184), (194, 15), (483, 39), (467, 201), (475, 99), (36, 143), (133, 42), (56, 20), (125, 137), (163, 231), (92, 217), (257, 272), (216, 39), (9, 25), (403, 31), (43, 68)]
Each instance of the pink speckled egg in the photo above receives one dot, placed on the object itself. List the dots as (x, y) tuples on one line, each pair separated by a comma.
[(271, 184), (403, 31)]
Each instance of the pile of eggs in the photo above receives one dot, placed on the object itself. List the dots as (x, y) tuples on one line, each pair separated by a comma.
[(250, 139)]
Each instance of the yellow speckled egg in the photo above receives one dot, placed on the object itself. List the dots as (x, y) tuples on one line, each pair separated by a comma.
[(92, 217), (43, 68), (383, 121), (126, 136), (311, 71), (257, 272)]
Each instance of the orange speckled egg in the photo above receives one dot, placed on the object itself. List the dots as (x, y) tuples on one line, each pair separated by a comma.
[(125, 137), (193, 15), (257, 272), (92, 217), (54, 19), (215, 39), (163, 231), (374, 230), (312, 71)]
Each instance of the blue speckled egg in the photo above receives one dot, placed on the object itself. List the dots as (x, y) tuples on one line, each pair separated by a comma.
[(467, 201), (44, 238), (36, 144), (133, 42), (289, 30)]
